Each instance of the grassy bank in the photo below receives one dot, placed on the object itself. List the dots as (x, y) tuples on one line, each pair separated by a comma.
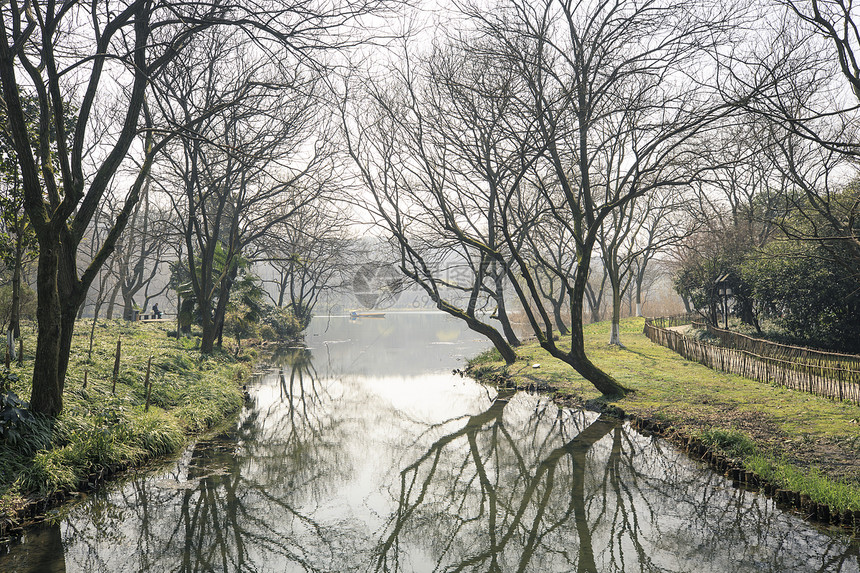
[(794, 440), (99, 431)]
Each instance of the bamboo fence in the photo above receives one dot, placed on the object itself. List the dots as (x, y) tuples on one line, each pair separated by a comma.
[(677, 320), (822, 373)]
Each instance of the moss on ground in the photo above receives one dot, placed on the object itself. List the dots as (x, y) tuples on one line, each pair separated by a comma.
[(100, 432), (798, 438)]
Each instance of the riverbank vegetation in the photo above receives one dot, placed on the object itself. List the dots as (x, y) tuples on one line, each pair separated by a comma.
[(797, 441), (102, 430)]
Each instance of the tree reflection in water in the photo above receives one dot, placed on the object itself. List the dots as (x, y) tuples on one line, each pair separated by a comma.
[(351, 472), (552, 490), (242, 501)]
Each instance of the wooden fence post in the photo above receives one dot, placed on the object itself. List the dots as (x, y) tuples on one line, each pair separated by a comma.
[(116, 364), (147, 384)]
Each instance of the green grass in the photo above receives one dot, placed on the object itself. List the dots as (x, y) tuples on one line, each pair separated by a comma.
[(837, 493), (811, 444), (732, 442), (101, 431)]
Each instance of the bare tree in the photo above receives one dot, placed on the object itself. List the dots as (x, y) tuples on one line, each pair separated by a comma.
[(821, 200), (443, 224), (552, 115), (470, 104), (82, 59), (632, 237), (613, 117), (807, 85), (242, 171), (310, 254), (141, 254)]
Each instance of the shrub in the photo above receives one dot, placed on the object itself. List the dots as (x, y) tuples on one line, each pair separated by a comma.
[(284, 324), (807, 294)]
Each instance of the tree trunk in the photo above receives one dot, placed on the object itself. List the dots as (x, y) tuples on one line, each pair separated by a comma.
[(502, 312), (223, 301), (687, 306), (605, 384), (10, 345), (576, 357), (127, 302), (112, 302), (207, 339), (556, 309), (594, 301), (282, 291), (507, 328), (15, 311), (713, 308), (68, 317), (615, 328), (47, 393), (499, 342)]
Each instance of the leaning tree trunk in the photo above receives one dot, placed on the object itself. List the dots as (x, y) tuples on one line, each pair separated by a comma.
[(576, 357), (507, 328), (501, 311), (580, 362), (499, 342)]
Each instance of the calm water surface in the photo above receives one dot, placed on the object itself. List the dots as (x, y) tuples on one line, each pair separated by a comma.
[(364, 453)]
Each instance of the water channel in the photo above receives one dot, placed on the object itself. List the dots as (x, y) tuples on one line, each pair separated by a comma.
[(364, 453)]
